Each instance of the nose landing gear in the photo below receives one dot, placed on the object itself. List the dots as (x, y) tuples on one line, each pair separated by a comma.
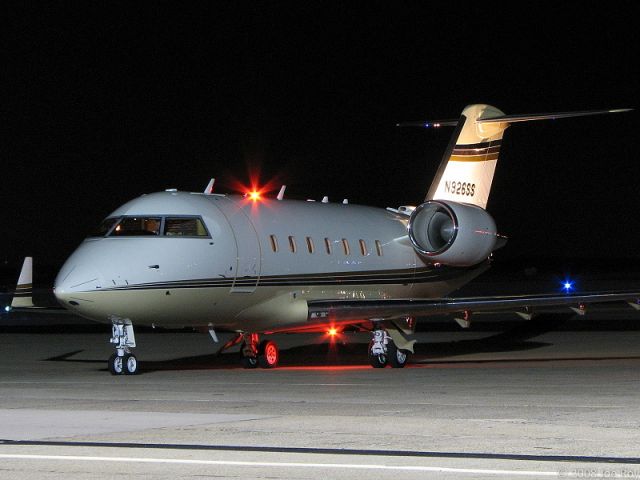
[(122, 336)]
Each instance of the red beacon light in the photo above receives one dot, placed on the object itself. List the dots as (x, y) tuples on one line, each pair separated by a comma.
[(332, 332), (254, 195)]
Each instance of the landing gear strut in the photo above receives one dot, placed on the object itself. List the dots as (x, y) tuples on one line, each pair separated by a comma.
[(383, 351), (122, 336), (254, 353)]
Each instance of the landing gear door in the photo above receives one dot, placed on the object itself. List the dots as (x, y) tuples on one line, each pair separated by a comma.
[(248, 258)]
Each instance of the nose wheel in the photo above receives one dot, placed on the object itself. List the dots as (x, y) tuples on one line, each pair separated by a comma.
[(122, 362), (125, 365)]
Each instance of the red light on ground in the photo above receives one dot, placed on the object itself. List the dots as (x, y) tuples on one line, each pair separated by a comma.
[(332, 332)]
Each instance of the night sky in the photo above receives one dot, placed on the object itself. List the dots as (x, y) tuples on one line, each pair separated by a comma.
[(101, 104)]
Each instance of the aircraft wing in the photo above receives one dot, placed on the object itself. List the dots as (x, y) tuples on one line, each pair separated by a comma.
[(358, 310), (22, 300), (56, 309)]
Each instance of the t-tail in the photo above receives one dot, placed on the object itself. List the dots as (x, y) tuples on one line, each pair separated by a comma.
[(469, 162), (23, 295)]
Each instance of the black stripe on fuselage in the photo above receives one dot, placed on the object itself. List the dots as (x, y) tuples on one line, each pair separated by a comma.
[(383, 277)]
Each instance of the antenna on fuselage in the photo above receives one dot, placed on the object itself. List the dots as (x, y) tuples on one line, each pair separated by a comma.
[(281, 192), (209, 189)]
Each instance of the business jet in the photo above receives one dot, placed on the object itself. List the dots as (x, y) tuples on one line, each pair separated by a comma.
[(256, 265)]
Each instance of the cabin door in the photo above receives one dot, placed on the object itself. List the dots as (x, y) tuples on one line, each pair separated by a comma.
[(248, 260)]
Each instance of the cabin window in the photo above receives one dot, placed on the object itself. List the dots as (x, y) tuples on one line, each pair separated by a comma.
[(137, 226), (184, 227), (310, 245), (292, 244), (104, 228), (345, 246), (274, 243), (379, 248), (363, 247), (327, 246)]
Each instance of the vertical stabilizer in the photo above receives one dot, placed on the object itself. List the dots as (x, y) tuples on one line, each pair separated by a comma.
[(469, 162), (466, 171), (23, 294)]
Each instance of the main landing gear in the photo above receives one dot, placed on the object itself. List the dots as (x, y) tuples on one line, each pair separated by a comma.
[(255, 353), (383, 351), (122, 336)]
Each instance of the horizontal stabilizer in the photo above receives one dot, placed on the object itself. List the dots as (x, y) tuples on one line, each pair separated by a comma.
[(429, 123), (547, 116), (519, 117)]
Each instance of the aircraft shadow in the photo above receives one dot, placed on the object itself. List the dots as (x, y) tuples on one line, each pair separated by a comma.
[(351, 354)]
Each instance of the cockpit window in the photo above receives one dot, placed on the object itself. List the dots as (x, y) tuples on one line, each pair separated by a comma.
[(137, 226), (160, 226), (106, 225), (184, 227)]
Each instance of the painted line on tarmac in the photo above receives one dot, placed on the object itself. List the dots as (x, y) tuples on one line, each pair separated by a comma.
[(329, 451), (334, 466)]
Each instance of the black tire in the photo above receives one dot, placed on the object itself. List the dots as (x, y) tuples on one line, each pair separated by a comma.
[(116, 365), (268, 354), (397, 358), (249, 362), (378, 361), (130, 364)]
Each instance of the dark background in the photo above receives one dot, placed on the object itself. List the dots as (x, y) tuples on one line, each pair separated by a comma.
[(104, 102)]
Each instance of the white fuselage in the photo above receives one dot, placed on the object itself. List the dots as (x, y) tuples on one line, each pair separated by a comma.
[(256, 267)]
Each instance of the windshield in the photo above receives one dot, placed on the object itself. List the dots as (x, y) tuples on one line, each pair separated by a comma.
[(159, 226), (184, 227), (104, 227), (136, 226)]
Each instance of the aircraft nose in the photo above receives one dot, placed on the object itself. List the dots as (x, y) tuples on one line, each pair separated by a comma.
[(74, 280)]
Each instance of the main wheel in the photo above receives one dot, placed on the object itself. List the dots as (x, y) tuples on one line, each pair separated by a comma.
[(115, 365), (249, 362), (130, 364), (397, 357), (378, 361), (268, 354)]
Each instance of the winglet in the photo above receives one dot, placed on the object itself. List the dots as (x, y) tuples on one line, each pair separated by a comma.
[(23, 294), (209, 189), (281, 192)]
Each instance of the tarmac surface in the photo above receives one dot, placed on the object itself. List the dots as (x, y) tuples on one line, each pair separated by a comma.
[(548, 398)]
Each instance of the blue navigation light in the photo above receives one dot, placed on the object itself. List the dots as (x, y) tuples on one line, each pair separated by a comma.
[(567, 286), (7, 308)]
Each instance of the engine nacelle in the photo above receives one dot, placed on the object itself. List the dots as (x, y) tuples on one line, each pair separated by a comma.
[(452, 233)]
